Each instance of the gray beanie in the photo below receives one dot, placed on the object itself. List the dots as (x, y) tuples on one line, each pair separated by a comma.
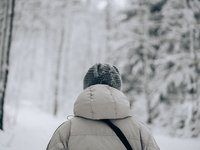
[(103, 74)]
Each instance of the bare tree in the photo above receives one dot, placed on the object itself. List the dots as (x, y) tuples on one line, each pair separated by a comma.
[(57, 74), (62, 52), (6, 23)]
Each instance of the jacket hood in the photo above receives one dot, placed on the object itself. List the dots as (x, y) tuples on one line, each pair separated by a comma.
[(102, 102)]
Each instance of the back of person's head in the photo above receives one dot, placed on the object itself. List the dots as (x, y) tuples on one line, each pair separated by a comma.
[(103, 74)]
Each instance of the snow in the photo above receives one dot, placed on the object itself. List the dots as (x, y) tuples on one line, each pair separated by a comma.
[(32, 131), (166, 143), (37, 39), (78, 32), (34, 128)]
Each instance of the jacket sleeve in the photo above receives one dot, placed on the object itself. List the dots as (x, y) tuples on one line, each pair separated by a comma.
[(147, 140), (59, 140)]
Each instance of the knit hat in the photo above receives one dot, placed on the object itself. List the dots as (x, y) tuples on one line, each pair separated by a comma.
[(103, 74)]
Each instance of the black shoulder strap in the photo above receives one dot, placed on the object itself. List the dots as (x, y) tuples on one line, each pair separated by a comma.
[(119, 133)]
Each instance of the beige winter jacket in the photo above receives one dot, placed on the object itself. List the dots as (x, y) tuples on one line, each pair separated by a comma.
[(86, 132)]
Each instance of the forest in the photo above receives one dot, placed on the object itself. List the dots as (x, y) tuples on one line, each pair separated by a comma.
[(47, 46)]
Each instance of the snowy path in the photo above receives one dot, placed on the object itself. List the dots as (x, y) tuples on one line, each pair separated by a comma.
[(34, 128), (33, 131)]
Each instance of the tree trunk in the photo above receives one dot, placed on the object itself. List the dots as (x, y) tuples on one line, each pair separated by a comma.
[(108, 25), (6, 24), (57, 74)]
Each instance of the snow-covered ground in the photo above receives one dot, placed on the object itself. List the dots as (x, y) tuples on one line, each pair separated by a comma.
[(170, 143), (34, 128)]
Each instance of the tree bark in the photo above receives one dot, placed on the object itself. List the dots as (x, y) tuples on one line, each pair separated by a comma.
[(6, 26)]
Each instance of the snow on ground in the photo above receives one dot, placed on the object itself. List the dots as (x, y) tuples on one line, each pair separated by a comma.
[(32, 131), (170, 143), (34, 128)]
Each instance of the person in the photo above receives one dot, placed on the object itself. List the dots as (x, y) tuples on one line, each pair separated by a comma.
[(101, 99)]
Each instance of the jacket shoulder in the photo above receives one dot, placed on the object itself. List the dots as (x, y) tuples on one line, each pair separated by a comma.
[(147, 139), (64, 128), (60, 137)]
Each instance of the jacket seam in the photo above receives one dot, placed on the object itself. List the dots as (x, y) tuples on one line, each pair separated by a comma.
[(141, 141), (91, 100), (115, 105), (70, 125)]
